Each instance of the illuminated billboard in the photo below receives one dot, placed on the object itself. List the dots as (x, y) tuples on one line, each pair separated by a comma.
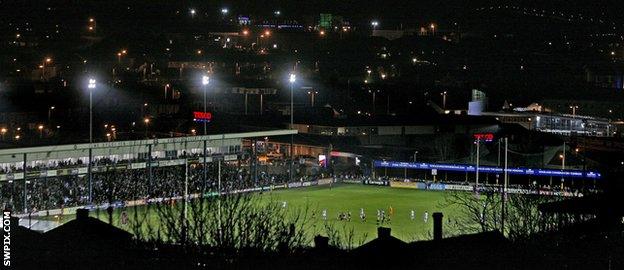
[(202, 116), (488, 169), (322, 161), (483, 137)]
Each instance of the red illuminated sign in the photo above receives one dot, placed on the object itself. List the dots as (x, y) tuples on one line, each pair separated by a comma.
[(202, 116), (483, 137)]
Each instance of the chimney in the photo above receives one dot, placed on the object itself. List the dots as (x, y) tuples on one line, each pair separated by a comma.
[(383, 232), (321, 242), (14, 222), (82, 214), (437, 226)]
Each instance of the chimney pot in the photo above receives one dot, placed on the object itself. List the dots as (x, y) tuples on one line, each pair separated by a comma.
[(82, 214), (383, 232), (437, 225)]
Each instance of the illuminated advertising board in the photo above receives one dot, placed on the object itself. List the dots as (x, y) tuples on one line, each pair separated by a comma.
[(483, 137), (202, 116), (487, 169), (322, 161)]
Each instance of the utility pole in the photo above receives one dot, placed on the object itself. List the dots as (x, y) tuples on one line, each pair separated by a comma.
[(563, 163), (477, 169), (504, 193)]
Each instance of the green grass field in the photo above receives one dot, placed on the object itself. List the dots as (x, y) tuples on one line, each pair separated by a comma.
[(352, 197)]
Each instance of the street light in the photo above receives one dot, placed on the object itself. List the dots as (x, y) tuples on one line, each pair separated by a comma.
[(574, 108), (43, 65), (50, 113), (374, 24), (146, 121), (224, 11), (292, 78), (312, 94), (205, 82), (40, 127)]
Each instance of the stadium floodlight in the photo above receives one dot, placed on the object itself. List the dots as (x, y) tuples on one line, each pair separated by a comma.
[(224, 11), (92, 83), (205, 82), (291, 78)]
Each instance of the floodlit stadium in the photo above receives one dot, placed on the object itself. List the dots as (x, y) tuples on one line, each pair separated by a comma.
[(46, 185)]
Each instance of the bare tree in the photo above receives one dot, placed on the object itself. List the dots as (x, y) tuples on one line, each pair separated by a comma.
[(234, 221), (483, 212), (477, 212)]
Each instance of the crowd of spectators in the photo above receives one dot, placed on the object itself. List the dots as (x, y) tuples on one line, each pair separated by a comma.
[(118, 185)]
